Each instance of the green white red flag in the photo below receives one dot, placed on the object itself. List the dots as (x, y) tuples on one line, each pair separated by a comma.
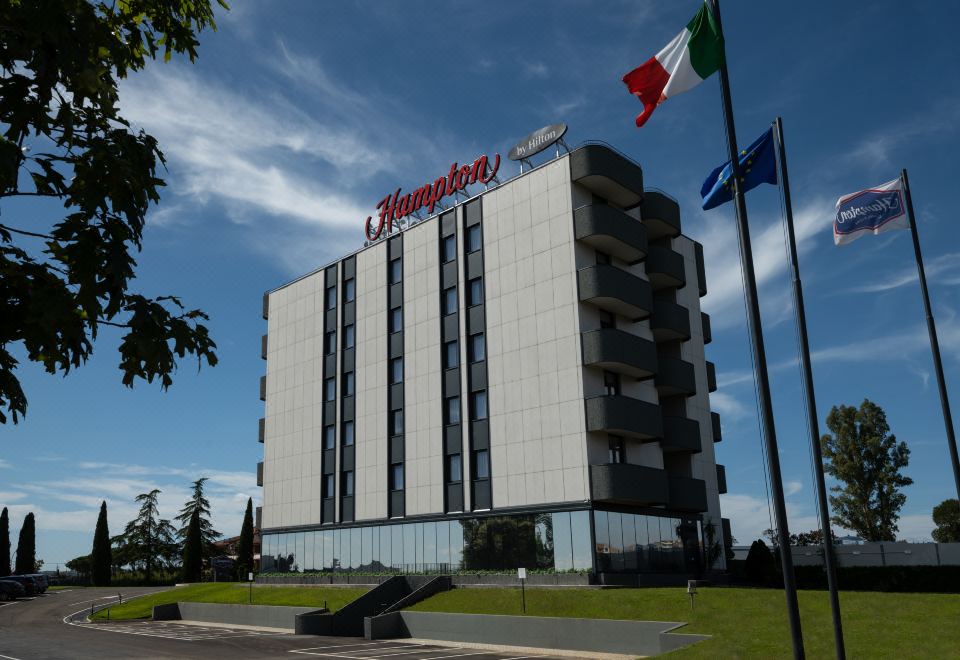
[(683, 64)]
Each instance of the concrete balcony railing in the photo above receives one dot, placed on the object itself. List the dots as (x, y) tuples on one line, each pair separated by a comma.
[(624, 483), (661, 215), (624, 416), (711, 377), (680, 435), (607, 174), (619, 351), (669, 321), (611, 231), (715, 423), (664, 268), (615, 290), (260, 473), (721, 479), (675, 377), (261, 429), (687, 494), (705, 325)]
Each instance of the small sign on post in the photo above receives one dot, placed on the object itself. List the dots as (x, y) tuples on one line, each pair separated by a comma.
[(250, 580), (522, 576), (692, 591)]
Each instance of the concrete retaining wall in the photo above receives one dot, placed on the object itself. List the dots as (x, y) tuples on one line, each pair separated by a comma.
[(594, 635), (269, 616)]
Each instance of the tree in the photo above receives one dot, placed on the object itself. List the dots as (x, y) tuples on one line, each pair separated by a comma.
[(198, 503), (866, 457), (4, 543), (713, 548), (27, 546), (101, 558), (946, 516), (192, 566), (64, 148), (760, 566), (82, 565), (147, 540), (245, 544)]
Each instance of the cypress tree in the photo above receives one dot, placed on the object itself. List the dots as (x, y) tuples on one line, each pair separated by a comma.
[(245, 544), (27, 546), (192, 568), (102, 556), (4, 543)]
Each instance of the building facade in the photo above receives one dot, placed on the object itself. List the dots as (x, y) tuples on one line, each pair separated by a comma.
[(517, 380)]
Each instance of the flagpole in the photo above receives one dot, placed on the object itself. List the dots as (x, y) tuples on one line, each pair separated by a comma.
[(812, 418), (760, 360), (932, 331)]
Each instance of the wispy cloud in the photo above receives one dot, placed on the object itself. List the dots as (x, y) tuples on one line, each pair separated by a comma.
[(729, 407), (877, 149), (535, 69), (942, 270), (5, 463), (749, 516)]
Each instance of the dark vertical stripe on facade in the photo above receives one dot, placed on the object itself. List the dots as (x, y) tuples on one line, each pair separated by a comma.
[(328, 460), (450, 383), (396, 449), (348, 362), (481, 496)]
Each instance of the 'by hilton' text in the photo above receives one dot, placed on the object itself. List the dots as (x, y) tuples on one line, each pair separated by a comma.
[(395, 207)]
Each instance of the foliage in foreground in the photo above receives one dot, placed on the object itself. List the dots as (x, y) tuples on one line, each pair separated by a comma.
[(946, 516)]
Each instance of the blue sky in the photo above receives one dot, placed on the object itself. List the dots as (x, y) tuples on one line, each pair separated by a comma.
[(294, 123)]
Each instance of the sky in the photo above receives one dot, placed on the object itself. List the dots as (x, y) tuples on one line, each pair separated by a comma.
[(298, 118)]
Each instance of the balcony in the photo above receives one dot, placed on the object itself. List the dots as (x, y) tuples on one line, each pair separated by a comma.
[(721, 479), (615, 290), (687, 494), (660, 214), (675, 377), (622, 415), (263, 388), (715, 422), (624, 483), (261, 429), (607, 174), (260, 473), (664, 268), (711, 377), (612, 231), (705, 325), (266, 306), (263, 347), (670, 321), (619, 351), (701, 270), (681, 435)]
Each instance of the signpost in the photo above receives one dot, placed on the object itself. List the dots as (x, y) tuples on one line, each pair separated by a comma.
[(522, 575), (537, 142), (250, 580)]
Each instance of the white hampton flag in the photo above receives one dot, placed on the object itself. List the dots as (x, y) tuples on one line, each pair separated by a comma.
[(871, 211)]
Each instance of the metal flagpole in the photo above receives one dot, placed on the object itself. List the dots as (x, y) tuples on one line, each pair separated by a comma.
[(932, 330), (805, 367), (760, 360)]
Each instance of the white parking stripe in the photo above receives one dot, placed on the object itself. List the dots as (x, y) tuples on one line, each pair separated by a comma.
[(9, 657)]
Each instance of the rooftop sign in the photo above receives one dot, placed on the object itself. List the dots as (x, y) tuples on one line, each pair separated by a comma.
[(537, 141)]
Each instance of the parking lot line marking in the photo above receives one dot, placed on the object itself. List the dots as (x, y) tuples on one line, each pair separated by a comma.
[(340, 646), (9, 657), (459, 655)]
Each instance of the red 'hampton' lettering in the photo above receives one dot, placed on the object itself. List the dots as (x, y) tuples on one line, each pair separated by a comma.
[(393, 208)]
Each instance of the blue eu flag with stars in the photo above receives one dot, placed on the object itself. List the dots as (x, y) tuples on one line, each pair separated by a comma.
[(757, 165)]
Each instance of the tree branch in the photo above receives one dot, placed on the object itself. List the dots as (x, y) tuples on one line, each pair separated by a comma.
[(26, 233)]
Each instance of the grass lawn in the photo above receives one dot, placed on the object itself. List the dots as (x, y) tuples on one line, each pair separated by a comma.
[(234, 592), (746, 623), (64, 587)]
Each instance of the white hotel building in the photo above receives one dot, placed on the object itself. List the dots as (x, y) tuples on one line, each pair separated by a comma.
[(517, 380)]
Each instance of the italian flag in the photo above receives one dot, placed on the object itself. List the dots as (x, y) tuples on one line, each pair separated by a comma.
[(686, 61)]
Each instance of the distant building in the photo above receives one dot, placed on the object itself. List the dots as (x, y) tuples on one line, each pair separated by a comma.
[(228, 547)]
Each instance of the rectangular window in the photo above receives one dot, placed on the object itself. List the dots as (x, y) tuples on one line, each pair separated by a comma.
[(349, 384), (348, 434), (330, 297), (395, 270), (396, 320), (607, 319), (329, 436), (617, 452), (478, 405), (349, 290), (454, 468), (330, 343), (396, 370), (475, 292), (396, 422), (396, 476), (451, 354), (478, 347), (348, 337), (329, 389), (346, 485), (473, 238), (449, 301), (448, 248), (327, 486), (481, 464), (611, 383), (451, 412)]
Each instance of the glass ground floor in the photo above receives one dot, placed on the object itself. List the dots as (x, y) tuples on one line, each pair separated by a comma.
[(585, 540)]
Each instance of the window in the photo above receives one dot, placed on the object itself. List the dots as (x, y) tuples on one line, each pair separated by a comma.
[(475, 292), (327, 486), (478, 405), (349, 290), (346, 485), (603, 258), (473, 238), (448, 248), (451, 412), (611, 383), (395, 271), (617, 452), (330, 343), (478, 347), (329, 436), (396, 370), (396, 319), (481, 464), (396, 422), (454, 468), (348, 434), (348, 384), (330, 297), (329, 389), (449, 301), (348, 337), (396, 476), (607, 319), (451, 354)]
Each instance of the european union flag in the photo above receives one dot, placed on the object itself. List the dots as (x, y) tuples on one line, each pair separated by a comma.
[(757, 165)]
